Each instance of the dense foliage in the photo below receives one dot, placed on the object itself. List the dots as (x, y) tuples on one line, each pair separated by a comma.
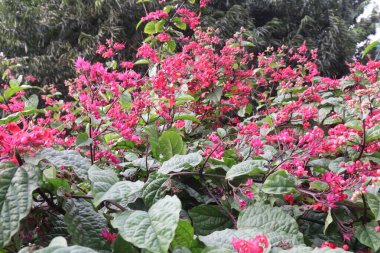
[(47, 35), (197, 145)]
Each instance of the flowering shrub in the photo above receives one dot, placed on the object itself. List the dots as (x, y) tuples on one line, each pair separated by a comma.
[(197, 145)]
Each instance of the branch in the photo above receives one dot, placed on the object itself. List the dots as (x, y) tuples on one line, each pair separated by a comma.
[(232, 218), (108, 203), (50, 202)]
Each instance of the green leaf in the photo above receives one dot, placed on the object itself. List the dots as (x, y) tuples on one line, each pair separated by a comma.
[(335, 167), (123, 192), (208, 218), (328, 221), (84, 224), (373, 201), (367, 235), (153, 141), (168, 8), (320, 163), (269, 152), (369, 48), (16, 116), (171, 45), (180, 162), (82, 140), (187, 117), (106, 186), (279, 182), (267, 218), (139, 23), (122, 246), (247, 44), (215, 95), (184, 235), (59, 245), (170, 144), (250, 167), (141, 62), (179, 23), (355, 124), (319, 185), (125, 100), (16, 188), (153, 230), (66, 158), (269, 120), (159, 25), (150, 27), (221, 132), (15, 87), (32, 102), (155, 188), (372, 134)]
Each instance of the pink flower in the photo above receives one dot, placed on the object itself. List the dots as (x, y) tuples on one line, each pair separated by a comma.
[(106, 234), (329, 245), (101, 49), (254, 245), (109, 53), (155, 15), (82, 65), (248, 194), (31, 78), (242, 203), (127, 64), (189, 17), (145, 51), (162, 37), (118, 46), (204, 3)]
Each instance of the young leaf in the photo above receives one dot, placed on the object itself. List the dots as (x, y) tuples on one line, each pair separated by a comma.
[(170, 144), (150, 27), (153, 230), (184, 235)]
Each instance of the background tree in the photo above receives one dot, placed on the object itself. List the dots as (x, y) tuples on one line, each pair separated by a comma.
[(328, 25), (47, 35)]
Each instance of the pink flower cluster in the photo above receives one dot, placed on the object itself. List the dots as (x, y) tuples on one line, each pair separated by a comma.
[(254, 245)]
